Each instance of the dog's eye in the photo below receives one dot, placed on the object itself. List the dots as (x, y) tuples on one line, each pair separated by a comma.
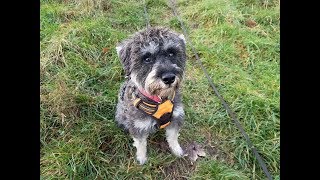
[(170, 52), (147, 60)]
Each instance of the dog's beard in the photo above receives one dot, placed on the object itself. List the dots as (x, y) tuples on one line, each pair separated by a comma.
[(163, 93), (155, 86)]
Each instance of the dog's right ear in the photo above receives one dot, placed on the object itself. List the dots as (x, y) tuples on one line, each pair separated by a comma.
[(124, 51), (181, 36)]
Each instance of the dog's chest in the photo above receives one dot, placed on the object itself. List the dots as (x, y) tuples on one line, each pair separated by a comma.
[(148, 122), (145, 124)]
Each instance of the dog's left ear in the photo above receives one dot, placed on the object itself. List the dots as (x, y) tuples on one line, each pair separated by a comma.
[(124, 52), (118, 48), (181, 36)]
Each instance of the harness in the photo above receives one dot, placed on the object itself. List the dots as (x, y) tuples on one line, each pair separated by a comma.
[(160, 111)]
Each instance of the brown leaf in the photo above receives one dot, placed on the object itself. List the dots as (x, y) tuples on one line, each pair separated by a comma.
[(105, 50), (250, 23)]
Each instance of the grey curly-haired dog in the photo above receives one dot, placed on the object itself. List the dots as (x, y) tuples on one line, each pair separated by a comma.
[(154, 62)]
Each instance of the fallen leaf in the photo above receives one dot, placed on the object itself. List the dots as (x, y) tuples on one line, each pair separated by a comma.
[(194, 150), (201, 153), (250, 23), (105, 50)]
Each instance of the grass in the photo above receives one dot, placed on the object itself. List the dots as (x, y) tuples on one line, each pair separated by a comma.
[(238, 42)]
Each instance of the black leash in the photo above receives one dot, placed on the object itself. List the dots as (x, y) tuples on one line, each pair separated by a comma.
[(226, 106)]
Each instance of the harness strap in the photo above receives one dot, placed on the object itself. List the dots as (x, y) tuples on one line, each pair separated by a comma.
[(162, 112)]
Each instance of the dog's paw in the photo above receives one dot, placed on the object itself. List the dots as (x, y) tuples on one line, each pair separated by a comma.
[(177, 151), (142, 159)]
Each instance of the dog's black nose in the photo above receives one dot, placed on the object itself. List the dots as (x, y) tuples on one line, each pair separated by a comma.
[(168, 78)]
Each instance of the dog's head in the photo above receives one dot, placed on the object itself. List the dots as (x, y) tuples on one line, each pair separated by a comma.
[(154, 59)]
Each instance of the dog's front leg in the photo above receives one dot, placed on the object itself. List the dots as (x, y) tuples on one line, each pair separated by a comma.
[(141, 145), (172, 139)]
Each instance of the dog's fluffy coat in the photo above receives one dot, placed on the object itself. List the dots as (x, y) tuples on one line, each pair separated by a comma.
[(145, 57)]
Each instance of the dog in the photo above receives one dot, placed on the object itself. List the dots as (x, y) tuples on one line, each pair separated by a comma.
[(154, 63)]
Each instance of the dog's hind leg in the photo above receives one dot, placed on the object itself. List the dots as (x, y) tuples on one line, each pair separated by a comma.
[(141, 145), (172, 139)]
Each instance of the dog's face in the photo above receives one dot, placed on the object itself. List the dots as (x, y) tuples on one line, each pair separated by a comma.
[(154, 59)]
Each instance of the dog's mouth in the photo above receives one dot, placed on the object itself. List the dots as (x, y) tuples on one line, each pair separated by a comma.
[(159, 88)]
